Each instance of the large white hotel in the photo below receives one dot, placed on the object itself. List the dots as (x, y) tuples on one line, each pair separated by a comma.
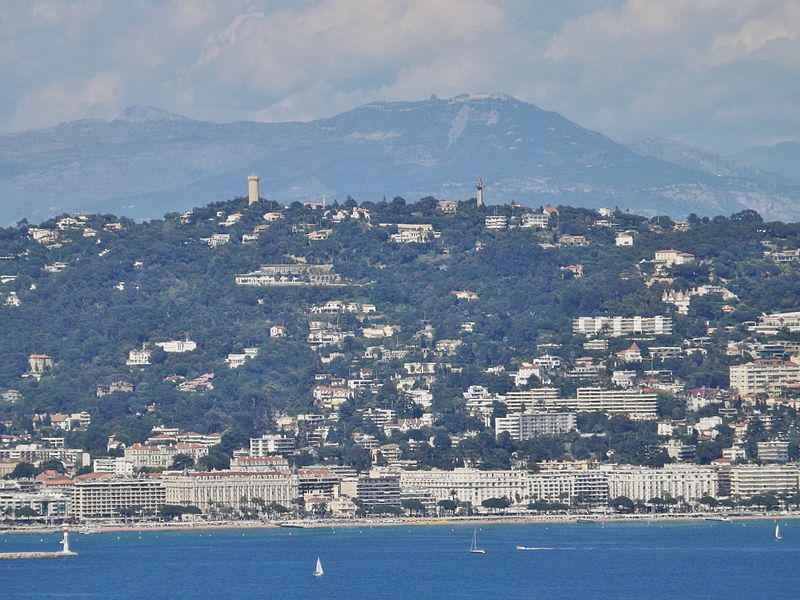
[(229, 488)]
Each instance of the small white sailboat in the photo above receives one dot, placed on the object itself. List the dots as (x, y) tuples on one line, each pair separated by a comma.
[(473, 549), (778, 535), (318, 572)]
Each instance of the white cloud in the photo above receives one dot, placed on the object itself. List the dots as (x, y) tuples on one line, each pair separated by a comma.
[(68, 100), (714, 72)]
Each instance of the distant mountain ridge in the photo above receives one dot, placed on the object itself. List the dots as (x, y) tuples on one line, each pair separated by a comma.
[(149, 161), (783, 158), (148, 114)]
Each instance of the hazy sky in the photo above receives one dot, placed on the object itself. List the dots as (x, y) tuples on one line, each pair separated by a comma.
[(723, 74)]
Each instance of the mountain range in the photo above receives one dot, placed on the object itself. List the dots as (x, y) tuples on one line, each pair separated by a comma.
[(149, 161)]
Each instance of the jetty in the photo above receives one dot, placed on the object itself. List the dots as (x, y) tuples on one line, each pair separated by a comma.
[(63, 553)]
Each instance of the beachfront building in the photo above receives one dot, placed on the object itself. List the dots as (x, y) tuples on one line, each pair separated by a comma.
[(749, 480), (16, 500), (377, 492), (231, 489), (108, 497), (568, 486), (689, 482), (466, 485)]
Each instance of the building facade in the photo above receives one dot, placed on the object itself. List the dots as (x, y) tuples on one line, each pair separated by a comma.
[(523, 426), (689, 482), (231, 489), (105, 498)]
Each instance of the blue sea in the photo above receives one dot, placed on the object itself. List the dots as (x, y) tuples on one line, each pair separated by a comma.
[(588, 560)]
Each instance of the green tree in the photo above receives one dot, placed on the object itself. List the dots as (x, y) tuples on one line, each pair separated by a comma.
[(181, 462)]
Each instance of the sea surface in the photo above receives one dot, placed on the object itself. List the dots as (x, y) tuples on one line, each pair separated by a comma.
[(587, 560)]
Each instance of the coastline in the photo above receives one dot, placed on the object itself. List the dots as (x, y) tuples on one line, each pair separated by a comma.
[(91, 529)]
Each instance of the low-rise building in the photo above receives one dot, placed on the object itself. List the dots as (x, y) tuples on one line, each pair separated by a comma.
[(494, 222), (673, 257), (139, 357), (178, 346)]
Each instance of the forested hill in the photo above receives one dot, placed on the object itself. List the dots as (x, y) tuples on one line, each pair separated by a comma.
[(91, 289)]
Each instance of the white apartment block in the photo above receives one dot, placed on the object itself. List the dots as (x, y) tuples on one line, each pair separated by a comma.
[(115, 466), (230, 488), (102, 498), (527, 400), (690, 482), (749, 480), (636, 404), (776, 451), (271, 444), (620, 326), (523, 426), (766, 376), (568, 485), (466, 485)]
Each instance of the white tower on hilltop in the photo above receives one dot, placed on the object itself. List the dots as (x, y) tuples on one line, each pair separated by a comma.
[(252, 189), (479, 195)]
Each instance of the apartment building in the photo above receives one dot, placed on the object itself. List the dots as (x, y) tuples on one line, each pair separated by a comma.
[(527, 400), (523, 426), (466, 484), (690, 482), (765, 376), (620, 326), (749, 480), (636, 404), (104, 497)]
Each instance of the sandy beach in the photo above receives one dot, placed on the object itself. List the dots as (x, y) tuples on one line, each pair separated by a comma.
[(560, 519)]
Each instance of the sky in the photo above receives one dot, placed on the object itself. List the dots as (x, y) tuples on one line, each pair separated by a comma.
[(720, 74)]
